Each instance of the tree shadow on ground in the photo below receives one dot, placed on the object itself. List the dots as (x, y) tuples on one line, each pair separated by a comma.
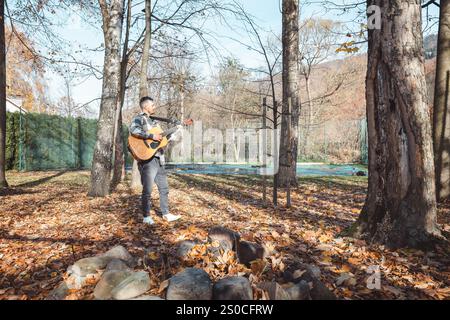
[(40, 181)]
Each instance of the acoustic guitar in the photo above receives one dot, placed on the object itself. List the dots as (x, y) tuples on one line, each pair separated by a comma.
[(144, 149)]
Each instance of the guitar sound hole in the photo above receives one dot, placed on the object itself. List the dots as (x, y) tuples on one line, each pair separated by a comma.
[(154, 144)]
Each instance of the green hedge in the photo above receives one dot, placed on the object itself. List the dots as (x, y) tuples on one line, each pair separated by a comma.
[(41, 142)]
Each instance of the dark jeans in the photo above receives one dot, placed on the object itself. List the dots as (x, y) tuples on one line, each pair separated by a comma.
[(152, 171)]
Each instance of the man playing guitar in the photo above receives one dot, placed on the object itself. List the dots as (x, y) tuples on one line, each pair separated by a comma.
[(152, 170)]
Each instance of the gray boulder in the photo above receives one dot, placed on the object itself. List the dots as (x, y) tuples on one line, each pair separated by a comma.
[(146, 297), (319, 291), (119, 252), (59, 293), (275, 291), (184, 247), (218, 251), (134, 285), (74, 281), (250, 251), (301, 271), (299, 291), (109, 280), (190, 284), (222, 234), (86, 266), (233, 288), (117, 264)]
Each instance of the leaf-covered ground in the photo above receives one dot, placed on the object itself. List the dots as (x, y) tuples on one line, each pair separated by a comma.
[(47, 222)]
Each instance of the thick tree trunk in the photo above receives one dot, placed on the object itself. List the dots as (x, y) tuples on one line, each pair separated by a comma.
[(400, 208), (102, 161), (143, 85), (3, 182), (441, 112), (288, 147)]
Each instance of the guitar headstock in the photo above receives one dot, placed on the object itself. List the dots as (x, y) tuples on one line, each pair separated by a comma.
[(188, 122)]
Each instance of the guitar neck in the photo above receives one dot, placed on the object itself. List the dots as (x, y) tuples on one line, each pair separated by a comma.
[(169, 131)]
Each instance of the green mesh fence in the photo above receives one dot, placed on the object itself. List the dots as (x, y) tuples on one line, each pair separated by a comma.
[(44, 142)]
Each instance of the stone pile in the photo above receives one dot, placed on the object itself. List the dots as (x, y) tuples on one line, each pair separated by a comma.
[(193, 284), (118, 280)]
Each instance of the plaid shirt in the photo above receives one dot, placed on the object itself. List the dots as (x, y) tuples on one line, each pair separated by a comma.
[(140, 125)]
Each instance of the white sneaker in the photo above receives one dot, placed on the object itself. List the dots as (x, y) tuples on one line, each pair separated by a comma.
[(171, 217), (148, 220)]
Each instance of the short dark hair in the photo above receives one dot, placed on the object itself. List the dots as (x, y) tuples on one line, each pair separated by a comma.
[(143, 99)]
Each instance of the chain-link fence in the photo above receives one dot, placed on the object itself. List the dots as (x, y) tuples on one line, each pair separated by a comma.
[(46, 142), (334, 142)]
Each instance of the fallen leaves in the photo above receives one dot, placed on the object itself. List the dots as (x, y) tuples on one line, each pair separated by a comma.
[(49, 226)]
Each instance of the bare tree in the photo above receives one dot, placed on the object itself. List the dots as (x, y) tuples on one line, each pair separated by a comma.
[(317, 39), (400, 208), (101, 165), (288, 147), (119, 155), (143, 83), (441, 111)]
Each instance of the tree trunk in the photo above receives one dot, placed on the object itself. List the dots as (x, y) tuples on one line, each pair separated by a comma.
[(102, 161), (119, 156), (400, 208), (3, 182), (143, 86), (441, 112), (288, 147)]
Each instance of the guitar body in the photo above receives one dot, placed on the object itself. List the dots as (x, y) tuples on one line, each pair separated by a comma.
[(144, 149)]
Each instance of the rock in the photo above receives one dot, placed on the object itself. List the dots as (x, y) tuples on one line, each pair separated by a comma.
[(275, 291), (218, 251), (233, 288), (190, 284), (59, 293), (299, 291), (109, 280), (119, 252), (146, 297), (295, 272), (134, 285), (86, 266), (117, 264), (74, 281), (319, 291), (184, 247), (314, 270), (250, 251), (220, 234)]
